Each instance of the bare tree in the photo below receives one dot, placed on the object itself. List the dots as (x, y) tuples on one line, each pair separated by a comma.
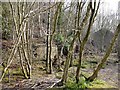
[(94, 10), (52, 34), (21, 13), (47, 42), (91, 18)]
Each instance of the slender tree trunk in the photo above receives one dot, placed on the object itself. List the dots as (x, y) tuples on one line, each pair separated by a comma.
[(71, 57), (26, 55), (47, 43), (80, 53), (52, 34), (79, 64), (67, 62), (39, 21), (21, 63), (83, 24)]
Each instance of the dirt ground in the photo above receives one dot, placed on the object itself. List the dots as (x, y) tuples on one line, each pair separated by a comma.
[(41, 81), (109, 72)]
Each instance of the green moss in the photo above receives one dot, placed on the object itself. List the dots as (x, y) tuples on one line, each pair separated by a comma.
[(17, 71), (85, 64), (71, 84), (5, 80), (1, 68), (99, 84), (104, 65), (86, 74), (75, 62)]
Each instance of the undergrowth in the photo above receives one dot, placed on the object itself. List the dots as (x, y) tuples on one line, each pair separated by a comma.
[(83, 84)]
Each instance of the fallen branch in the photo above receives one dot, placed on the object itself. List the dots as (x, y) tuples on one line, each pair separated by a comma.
[(56, 84)]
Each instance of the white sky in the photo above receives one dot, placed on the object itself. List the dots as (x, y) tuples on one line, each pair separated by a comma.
[(110, 5)]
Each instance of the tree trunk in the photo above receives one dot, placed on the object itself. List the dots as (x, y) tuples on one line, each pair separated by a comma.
[(52, 34), (67, 62), (82, 44), (85, 39), (47, 43), (21, 63)]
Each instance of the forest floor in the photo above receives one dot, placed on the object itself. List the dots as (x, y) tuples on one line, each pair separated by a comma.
[(109, 72), (40, 80)]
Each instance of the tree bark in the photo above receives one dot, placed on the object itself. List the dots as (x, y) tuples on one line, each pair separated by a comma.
[(67, 62), (52, 34), (83, 24), (47, 43)]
